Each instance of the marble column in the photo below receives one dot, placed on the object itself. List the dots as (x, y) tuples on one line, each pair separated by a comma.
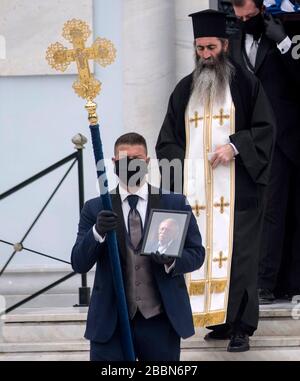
[(149, 65), (184, 34), (157, 52), (2, 48)]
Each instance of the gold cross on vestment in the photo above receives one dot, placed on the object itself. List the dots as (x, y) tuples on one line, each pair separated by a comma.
[(196, 119), (221, 259), (222, 205), (222, 116), (102, 51), (197, 209)]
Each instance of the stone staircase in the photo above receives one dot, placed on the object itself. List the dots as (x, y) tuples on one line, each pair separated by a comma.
[(56, 334)]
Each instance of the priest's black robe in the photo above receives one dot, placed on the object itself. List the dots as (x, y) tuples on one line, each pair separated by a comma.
[(254, 139)]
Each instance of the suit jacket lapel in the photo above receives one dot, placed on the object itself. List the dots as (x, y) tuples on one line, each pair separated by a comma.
[(121, 230), (154, 201), (236, 49), (263, 49)]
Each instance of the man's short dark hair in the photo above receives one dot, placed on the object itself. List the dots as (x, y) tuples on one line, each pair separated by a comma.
[(241, 3), (131, 139)]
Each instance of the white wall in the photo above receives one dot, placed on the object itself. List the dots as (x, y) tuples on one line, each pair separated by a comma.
[(184, 34), (39, 115), (149, 64), (158, 51)]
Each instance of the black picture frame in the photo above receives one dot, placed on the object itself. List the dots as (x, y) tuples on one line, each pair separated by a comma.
[(156, 217)]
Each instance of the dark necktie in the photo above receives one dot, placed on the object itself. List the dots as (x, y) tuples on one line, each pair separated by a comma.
[(135, 225)]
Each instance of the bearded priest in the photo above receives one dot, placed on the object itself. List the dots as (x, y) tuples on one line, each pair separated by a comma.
[(219, 133)]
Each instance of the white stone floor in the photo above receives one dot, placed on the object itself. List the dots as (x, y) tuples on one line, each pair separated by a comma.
[(270, 344), (252, 355)]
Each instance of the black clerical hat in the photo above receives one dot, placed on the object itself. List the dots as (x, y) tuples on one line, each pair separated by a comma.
[(209, 23)]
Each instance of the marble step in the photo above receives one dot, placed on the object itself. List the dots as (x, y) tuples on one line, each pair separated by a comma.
[(18, 284), (67, 356), (68, 324), (43, 325), (44, 300), (189, 345), (76, 346), (276, 354), (197, 342)]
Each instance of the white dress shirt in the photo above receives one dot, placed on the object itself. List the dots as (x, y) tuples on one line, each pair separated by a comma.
[(141, 207), (284, 46), (163, 248), (236, 152)]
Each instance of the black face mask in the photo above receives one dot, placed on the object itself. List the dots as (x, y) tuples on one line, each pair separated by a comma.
[(254, 26), (131, 171)]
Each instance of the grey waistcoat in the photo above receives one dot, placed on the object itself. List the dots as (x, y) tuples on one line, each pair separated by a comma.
[(141, 290)]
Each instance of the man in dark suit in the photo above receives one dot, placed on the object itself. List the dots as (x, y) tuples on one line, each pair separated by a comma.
[(158, 302), (264, 48)]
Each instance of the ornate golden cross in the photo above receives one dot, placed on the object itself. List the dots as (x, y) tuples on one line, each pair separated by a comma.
[(222, 116), (197, 209), (222, 205), (221, 259), (102, 51), (196, 119)]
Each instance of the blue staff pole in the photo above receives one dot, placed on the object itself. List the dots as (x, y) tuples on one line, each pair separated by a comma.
[(111, 240)]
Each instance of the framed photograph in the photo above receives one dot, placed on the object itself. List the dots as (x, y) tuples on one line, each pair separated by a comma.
[(166, 232)]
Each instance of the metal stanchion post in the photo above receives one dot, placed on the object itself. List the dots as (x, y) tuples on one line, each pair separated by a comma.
[(79, 140)]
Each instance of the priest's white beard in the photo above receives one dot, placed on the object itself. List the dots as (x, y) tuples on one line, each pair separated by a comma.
[(211, 78)]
